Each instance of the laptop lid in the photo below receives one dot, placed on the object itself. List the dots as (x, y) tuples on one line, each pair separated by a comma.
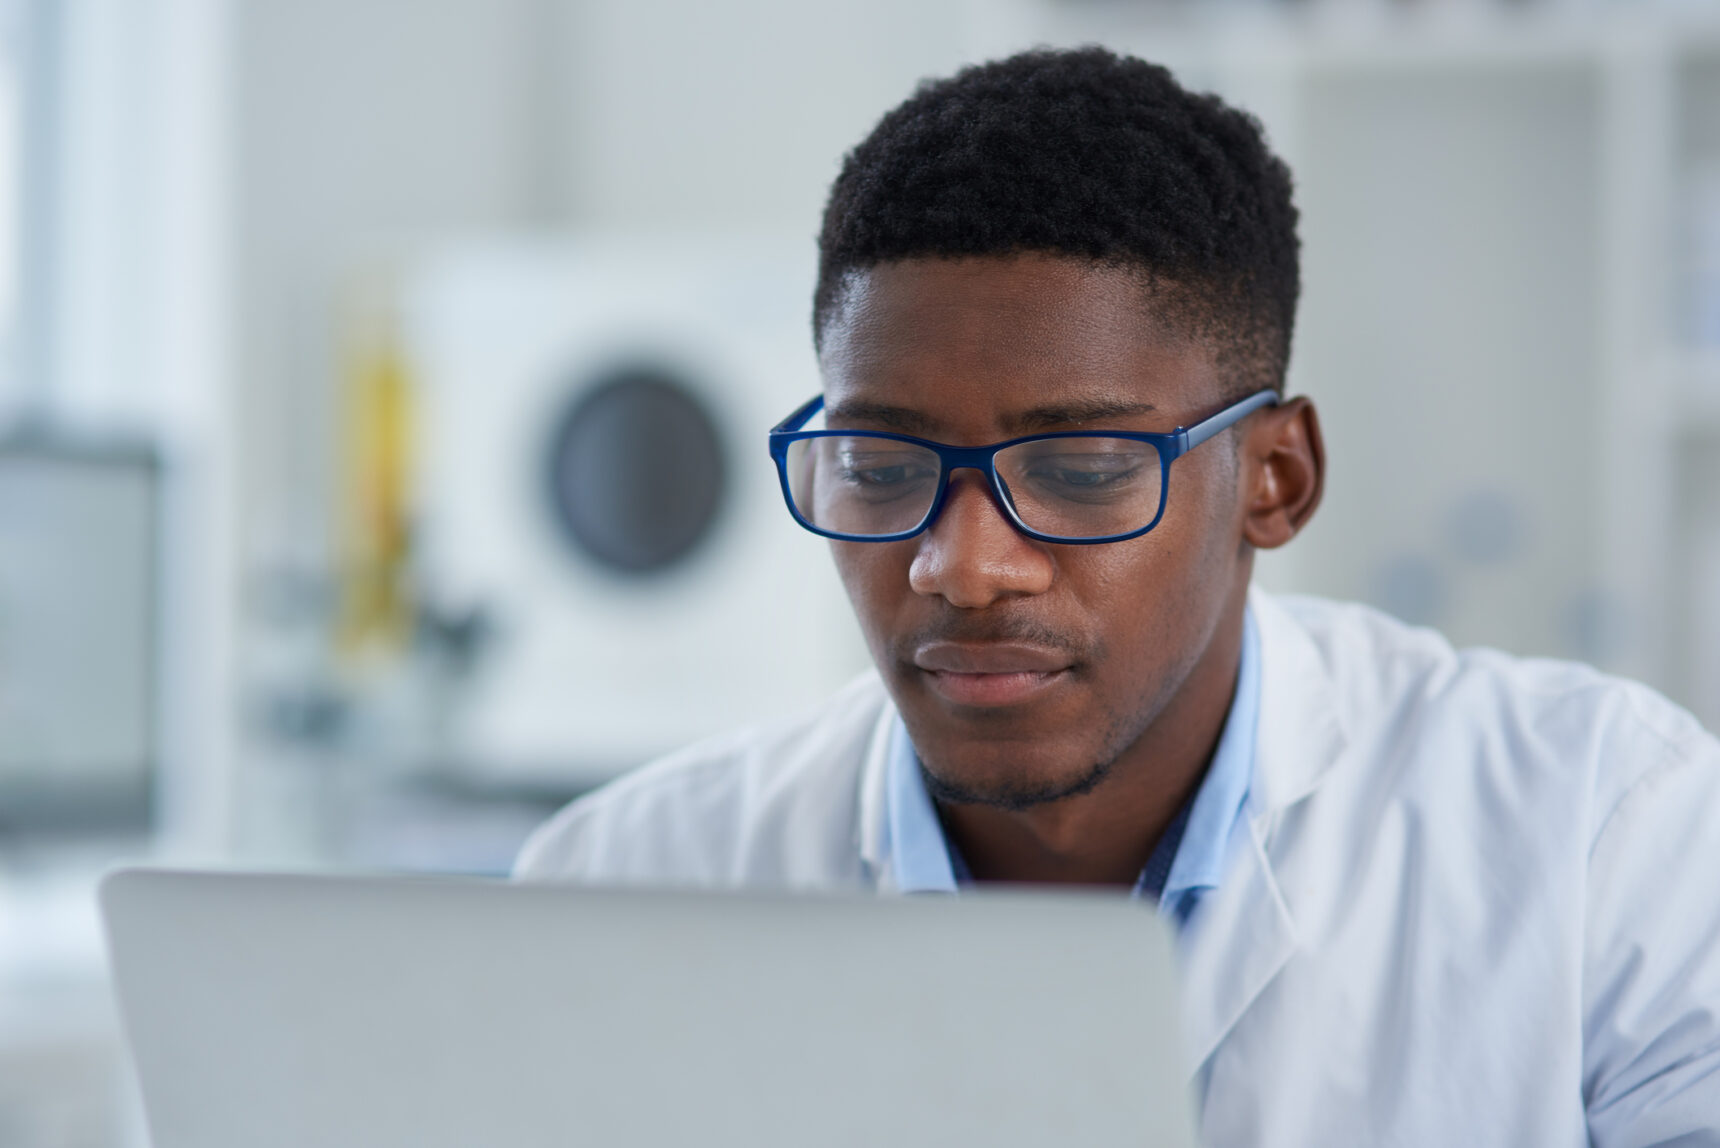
[(285, 1011)]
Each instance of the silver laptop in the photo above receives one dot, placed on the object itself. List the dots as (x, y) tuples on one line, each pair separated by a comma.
[(268, 1011)]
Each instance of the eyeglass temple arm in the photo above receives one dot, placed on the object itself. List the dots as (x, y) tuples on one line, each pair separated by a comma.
[(1206, 428), (1192, 436), (800, 417)]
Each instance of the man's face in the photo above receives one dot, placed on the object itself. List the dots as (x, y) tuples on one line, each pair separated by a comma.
[(1024, 670)]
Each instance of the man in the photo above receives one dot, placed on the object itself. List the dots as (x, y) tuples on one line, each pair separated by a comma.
[(1424, 897)]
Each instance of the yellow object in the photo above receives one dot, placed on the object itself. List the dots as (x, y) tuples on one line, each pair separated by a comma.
[(374, 496)]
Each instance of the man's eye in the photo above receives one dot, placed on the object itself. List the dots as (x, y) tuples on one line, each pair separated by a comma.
[(877, 476), (1074, 476), (1087, 472), (858, 472)]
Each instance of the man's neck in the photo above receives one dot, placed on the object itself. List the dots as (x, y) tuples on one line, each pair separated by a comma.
[(1106, 835)]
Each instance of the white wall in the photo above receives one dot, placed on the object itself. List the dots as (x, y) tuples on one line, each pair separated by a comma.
[(694, 113), (360, 132)]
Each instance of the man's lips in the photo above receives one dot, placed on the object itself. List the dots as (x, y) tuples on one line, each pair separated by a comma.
[(984, 674)]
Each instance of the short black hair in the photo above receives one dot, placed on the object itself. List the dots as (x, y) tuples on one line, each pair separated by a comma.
[(1090, 155)]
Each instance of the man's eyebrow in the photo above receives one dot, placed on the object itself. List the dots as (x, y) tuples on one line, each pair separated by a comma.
[(1070, 414), (903, 419), (906, 420)]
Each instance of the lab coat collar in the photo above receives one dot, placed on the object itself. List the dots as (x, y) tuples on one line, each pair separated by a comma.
[(1300, 735)]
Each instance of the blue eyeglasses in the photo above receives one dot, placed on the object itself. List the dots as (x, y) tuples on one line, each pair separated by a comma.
[(1077, 487)]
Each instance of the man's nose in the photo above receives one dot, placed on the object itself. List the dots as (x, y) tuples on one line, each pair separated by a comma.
[(972, 556)]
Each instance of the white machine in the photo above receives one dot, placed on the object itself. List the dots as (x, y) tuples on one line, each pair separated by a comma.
[(594, 479), (286, 1011)]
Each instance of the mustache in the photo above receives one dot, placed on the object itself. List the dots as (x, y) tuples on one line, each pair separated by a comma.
[(998, 630)]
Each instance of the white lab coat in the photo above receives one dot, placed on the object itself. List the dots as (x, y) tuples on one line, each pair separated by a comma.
[(1477, 901)]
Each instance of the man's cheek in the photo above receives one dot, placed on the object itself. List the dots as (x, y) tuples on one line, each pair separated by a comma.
[(851, 569), (873, 590)]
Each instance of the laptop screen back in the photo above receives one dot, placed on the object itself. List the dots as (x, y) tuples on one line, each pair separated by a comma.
[(285, 1011)]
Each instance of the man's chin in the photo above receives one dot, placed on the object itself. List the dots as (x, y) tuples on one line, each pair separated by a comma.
[(1012, 793)]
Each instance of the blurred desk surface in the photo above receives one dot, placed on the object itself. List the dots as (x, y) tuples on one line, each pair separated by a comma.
[(63, 1077)]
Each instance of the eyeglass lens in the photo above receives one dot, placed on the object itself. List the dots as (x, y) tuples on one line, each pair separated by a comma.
[(1064, 487)]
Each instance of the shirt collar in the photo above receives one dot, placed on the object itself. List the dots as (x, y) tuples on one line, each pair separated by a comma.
[(1218, 803), (921, 857)]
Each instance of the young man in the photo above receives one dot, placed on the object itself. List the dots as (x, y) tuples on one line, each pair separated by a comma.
[(1425, 897)]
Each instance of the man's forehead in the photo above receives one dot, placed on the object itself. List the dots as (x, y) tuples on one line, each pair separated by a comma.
[(1022, 343), (1016, 306)]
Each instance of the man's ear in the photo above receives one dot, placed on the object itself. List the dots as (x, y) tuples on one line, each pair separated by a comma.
[(1283, 472)]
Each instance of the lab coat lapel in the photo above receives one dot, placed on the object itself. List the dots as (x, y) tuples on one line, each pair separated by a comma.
[(1245, 930), (872, 828), (1235, 944)]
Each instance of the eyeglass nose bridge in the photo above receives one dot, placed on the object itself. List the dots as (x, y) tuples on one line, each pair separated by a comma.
[(982, 459)]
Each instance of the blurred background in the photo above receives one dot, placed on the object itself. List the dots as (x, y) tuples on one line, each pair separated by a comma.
[(330, 331)]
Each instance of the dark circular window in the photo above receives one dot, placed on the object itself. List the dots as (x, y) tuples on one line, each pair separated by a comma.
[(637, 472)]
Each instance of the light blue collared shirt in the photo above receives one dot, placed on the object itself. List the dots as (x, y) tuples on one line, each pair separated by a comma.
[(1189, 859)]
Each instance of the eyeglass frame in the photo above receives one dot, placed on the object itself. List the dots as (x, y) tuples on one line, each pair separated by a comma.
[(1170, 445)]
